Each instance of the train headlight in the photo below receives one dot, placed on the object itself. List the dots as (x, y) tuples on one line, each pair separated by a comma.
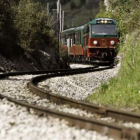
[(95, 42), (112, 42), (102, 21)]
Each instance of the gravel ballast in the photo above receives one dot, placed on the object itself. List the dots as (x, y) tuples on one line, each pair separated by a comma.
[(78, 86), (17, 122)]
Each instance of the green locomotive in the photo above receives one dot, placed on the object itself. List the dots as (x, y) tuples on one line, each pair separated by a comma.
[(95, 41)]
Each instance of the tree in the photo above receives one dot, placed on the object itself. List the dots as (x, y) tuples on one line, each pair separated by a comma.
[(77, 3), (33, 25), (8, 34)]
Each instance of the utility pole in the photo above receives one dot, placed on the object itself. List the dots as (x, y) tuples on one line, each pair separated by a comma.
[(62, 20), (58, 23)]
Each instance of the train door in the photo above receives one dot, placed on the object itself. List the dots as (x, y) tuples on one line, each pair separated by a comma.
[(68, 45), (86, 36)]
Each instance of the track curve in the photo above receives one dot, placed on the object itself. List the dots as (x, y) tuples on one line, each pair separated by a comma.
[(82, 122)]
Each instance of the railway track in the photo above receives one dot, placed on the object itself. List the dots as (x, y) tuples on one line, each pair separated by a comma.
[(109, 129)]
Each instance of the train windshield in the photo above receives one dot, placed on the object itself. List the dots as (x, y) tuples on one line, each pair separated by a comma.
[(103, 29)]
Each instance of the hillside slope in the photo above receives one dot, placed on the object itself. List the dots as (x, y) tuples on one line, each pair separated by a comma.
[(123, 91), (77, 12)]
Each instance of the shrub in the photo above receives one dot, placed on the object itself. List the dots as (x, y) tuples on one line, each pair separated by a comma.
[(8, 34), (72, 5), (33, 25)]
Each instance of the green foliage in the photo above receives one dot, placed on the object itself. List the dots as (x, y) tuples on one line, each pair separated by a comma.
[(8, 34), (124, 91), (64, 57), (127, 13), (83, 1), (33, 25), (64, 54), (24, 24), (80, 15), (64, 1), (103, 12), (76, 3), (72, 5)]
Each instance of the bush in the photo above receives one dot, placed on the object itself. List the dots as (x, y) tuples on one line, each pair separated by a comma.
[(64, 57), (24, 24), (8, 34), (33, 25), (72, 5), (123, 91)]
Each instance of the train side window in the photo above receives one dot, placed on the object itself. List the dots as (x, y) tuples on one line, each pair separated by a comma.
[(73, 38), (78, 38), (65, 40), (86, 30)]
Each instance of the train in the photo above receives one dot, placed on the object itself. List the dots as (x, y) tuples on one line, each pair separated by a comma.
[(95, 41)]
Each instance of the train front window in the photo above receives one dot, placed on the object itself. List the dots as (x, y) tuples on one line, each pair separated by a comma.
[(104, 29)]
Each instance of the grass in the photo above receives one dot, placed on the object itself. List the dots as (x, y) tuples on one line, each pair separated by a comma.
[(123, 91)]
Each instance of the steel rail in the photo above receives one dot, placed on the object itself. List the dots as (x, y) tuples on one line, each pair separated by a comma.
[(111, 130), (94, 108), (4, 75)]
